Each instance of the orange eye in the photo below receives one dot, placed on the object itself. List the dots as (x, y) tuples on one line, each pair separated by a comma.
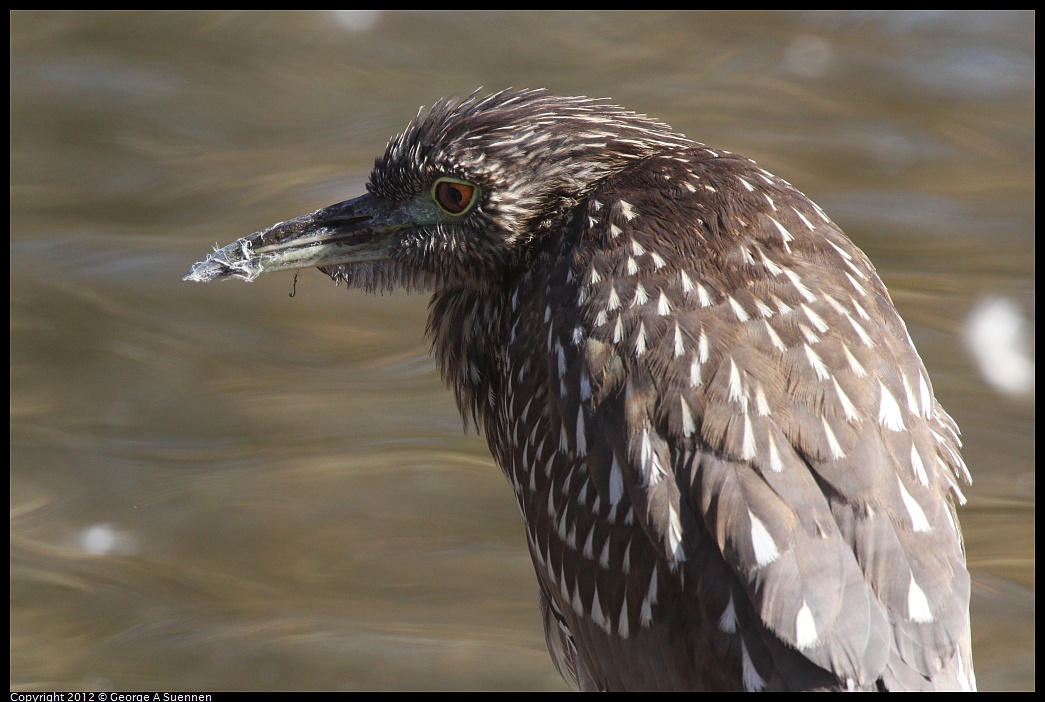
[(454, 196)]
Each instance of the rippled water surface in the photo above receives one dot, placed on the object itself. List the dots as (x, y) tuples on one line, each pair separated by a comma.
[(229, 487)]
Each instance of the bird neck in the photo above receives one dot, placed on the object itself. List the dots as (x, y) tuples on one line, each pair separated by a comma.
[(465, 326)]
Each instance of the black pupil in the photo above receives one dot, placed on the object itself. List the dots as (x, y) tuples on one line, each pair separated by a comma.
[(452, 196)]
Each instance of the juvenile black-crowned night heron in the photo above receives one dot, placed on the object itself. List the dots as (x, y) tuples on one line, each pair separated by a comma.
[(727, 452)]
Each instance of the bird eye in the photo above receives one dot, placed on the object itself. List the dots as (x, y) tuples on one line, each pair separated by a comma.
[(454, 196)]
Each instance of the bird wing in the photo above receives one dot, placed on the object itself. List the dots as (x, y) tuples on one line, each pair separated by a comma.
[(730, 374)]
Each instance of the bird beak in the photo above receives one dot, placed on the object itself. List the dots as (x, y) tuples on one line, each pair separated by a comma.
[(348, 232)]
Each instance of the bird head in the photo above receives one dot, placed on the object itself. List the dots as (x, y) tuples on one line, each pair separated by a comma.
[(462, 198)]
